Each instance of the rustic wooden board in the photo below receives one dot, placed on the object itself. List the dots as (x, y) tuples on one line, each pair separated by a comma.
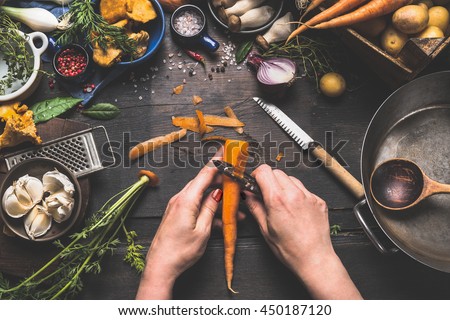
[(20, 257), (258, 273)]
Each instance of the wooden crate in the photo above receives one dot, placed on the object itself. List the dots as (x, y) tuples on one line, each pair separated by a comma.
[(413, 58)]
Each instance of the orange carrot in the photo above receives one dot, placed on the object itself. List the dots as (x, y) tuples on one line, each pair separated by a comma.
[(154, 179), (371, 10), (217, 138), (210, 120), (314, 4), (235, 153), (189, 124), (148, 146), (340, 7), (230, 114), (201, 122)]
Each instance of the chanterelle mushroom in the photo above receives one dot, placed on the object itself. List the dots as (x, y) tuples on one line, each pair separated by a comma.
[(19, 125)]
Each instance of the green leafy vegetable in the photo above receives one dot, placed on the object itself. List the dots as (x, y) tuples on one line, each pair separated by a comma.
[(102, 111), (60, 277), (49, 109), (243, 51)]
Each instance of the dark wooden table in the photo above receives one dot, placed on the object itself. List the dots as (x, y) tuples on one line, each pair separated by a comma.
[(147, 105)]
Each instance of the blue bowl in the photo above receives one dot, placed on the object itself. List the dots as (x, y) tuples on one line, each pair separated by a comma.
[(155, 28)]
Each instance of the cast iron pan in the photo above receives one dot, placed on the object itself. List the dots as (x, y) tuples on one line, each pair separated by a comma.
[(414, 123)]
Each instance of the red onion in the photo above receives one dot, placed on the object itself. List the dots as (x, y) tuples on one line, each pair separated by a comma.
[(275, 75)]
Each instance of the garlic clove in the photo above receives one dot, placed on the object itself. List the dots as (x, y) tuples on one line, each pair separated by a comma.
[(37, 222), (11, 204), (60, 206), (34, 188), (54, 181), (21, 192)]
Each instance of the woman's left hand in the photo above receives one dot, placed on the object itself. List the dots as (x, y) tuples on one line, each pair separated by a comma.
[(182, 236)]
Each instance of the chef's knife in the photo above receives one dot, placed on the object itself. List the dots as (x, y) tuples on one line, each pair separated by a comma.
[(306, 142)]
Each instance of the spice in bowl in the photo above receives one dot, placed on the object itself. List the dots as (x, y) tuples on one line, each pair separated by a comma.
[(188, 23), (71, 62)]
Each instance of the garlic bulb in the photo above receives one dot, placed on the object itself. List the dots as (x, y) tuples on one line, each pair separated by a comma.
[(38, 222), (55, 180), (60, 202), (60, 206), (22, 196)]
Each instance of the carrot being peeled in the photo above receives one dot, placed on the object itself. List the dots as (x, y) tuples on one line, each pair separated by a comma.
[(371, 10), (235, 153), (340, 7)]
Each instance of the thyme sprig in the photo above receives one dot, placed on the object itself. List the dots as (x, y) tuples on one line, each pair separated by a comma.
[(84, 253), (13, 49), (313, 55), (89, 26)]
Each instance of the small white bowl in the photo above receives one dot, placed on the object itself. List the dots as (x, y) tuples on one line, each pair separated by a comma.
[(24, 91)]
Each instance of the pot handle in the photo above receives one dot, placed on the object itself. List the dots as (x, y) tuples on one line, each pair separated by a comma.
[(40, 36), (372, 237)]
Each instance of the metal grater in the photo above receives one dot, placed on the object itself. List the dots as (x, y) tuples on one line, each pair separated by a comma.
[(78, 152)]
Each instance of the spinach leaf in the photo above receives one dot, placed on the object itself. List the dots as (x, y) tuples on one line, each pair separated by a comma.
[(102, 111), (243, 51), (49, 109)]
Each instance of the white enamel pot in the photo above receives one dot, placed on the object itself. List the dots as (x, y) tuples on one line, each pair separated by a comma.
[(19, 91)]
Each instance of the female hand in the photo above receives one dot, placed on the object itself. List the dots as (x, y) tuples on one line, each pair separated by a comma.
[(182, 236), (294, 223)]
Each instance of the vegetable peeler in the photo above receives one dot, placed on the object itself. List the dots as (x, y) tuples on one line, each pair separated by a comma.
[(246, 181)]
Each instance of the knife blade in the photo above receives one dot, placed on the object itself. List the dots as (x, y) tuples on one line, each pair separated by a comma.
[(246, 181), (289, 126), (306, 142)]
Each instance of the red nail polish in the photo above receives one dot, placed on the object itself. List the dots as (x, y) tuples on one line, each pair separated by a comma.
[(217, 195)]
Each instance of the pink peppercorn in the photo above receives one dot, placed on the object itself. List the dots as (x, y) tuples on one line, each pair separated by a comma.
[(71, 62)]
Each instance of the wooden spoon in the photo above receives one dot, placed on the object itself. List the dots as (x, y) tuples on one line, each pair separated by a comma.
[(399, 184)]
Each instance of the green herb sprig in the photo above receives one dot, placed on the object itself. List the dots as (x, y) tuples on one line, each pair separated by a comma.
[(314, 55), (89, 26), (84, 253), (13, 49)]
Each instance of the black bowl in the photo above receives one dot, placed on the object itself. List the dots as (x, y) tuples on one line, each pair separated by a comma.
[(37, 167)]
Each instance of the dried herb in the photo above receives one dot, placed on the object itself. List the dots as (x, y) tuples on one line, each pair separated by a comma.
[(314, 55), (243, 51), (49, 109), (13, 50), (89, 25), (102, 111)]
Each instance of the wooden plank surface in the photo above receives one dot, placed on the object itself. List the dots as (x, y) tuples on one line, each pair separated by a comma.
[(147, 107)]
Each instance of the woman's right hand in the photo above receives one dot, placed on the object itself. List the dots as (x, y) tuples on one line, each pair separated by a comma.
[(294, 223)]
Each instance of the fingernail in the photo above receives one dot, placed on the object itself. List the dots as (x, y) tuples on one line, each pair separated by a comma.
[(243, 196), (217, 195)]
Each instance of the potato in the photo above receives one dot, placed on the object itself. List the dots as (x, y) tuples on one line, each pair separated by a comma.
[(393, 41), (332, 84), (372, 28), (410, 19), (431, 32), (438, 17)]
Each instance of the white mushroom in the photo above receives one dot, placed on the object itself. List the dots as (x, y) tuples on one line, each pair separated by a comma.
[(38, 222)]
